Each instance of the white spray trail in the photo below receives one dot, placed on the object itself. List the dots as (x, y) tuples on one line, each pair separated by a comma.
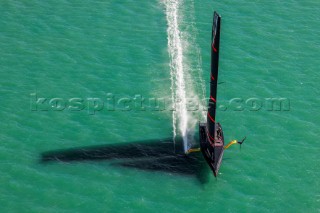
[(180, 115)]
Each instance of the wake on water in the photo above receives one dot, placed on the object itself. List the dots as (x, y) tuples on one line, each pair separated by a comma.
[(183, 121)]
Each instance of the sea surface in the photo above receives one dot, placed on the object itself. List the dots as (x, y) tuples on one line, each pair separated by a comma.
[(74, 74)]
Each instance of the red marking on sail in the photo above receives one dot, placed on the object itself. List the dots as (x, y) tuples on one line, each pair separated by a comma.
[(212, 78), (210, 137), (211, 118), (214, 49), (214, 100)]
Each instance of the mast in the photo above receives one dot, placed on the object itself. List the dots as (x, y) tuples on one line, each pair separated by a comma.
[(215, 43)]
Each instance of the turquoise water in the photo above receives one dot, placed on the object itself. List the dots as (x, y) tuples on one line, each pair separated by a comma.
[(87, 49)]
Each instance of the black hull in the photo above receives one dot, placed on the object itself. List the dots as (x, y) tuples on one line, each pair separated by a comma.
[(212, 152)]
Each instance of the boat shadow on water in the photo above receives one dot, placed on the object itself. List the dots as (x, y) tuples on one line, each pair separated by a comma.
[(151, 155)]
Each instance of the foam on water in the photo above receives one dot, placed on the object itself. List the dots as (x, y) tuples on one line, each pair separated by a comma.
[(180, 115), (179, 43)]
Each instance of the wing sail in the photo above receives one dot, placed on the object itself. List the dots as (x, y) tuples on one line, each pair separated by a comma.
[(215, 43), (211, 134)]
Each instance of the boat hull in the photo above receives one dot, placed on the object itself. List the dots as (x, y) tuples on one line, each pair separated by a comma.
[(212, 150)]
